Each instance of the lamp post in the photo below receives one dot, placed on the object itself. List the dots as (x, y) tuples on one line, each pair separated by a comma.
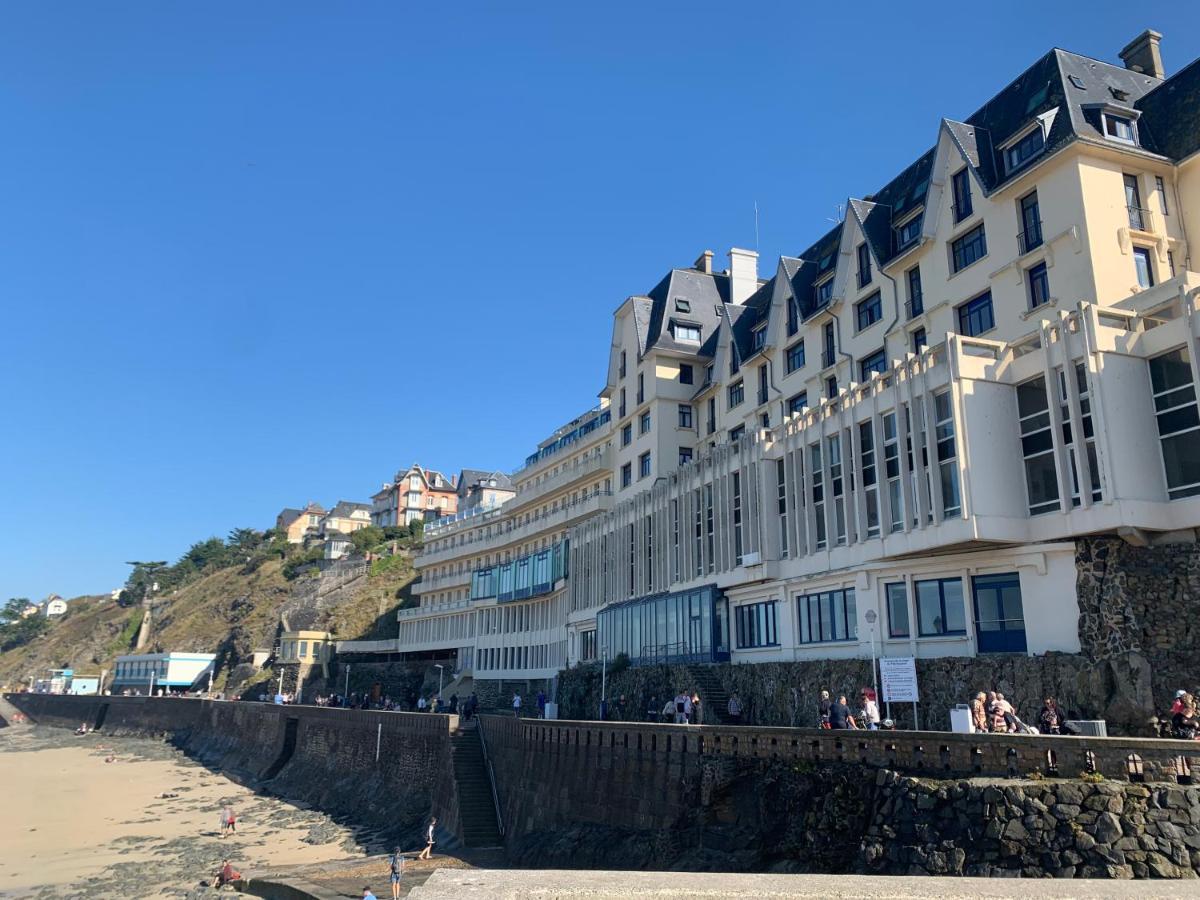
[(346, 692), (100, 688), (871, 617)]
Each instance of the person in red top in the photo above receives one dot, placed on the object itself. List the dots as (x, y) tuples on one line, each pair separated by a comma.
[(227, 874)]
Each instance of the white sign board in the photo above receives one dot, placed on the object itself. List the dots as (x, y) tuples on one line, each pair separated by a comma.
[(898, 675)]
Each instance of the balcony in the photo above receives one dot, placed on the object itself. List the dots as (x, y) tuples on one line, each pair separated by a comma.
[(828, 358), (962, 211), (914, 307), (429, 583), (762, 396), (1030, 238), (527, 576), (595, 463), (1140, 219)]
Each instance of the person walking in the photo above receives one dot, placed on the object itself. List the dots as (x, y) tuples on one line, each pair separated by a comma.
[(688, 709), (681, 703), (735, 709), (516, 705), (541, 702), (870, 709), (453, 704), (396, 873), (979, 716), (824, 705), (429, 841)]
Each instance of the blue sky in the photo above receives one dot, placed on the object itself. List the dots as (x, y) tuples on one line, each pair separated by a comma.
[(257, 254)]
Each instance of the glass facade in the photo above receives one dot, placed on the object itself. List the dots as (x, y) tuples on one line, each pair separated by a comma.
[(524, 577), (689, 626)]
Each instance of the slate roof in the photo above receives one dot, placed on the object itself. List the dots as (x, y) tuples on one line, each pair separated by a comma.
[(1170, 122), (754, 312), (469, 478), (705, 296), (816, 261), (343, 509), (288, 516)]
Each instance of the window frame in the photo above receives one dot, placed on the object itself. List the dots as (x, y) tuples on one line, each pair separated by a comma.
[(844, 597), (687, 416), (941, 583), (644, 465), (892, 633), (870, 308), (973, 239), (960, 195), (687, 375), (738, 389), (1147, 254), (794, 352), (752, 631), (681, 332), (964, 311), (864, 265), (872, 363), (1036, 275)]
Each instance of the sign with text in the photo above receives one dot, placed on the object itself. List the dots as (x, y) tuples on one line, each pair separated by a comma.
[(898, 675)]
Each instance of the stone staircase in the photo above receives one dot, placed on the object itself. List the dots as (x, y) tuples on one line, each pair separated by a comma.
[(476, 809), (714, 699)]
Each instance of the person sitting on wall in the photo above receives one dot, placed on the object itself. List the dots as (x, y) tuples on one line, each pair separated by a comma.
[(227, 874), (1184, 723), (1050, 720)]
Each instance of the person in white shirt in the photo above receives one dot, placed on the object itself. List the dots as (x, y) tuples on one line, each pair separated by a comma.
[(517, 705), (870, 709), (429, 841), (420, 704)]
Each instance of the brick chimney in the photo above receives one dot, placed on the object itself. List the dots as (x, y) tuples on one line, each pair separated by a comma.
[(1142, 54), (703, 262), (743, 274)]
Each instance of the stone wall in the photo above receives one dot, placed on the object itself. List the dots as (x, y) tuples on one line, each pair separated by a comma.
[(586, 795)]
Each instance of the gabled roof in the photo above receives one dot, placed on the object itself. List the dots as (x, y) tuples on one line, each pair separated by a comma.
[(469, 478), (1170, 122), (703, 294), (755, 312), (288, 516), (818, 260), (343, 509), (899, 197)]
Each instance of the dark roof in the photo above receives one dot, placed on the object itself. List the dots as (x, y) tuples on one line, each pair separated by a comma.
[(703, 295), (469, 478), (817, 260), (755, 312), (1170, 122), (892, 203), (288, 516), (344, 508)]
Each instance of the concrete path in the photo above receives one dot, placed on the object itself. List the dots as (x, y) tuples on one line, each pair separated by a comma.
[(447, 884)]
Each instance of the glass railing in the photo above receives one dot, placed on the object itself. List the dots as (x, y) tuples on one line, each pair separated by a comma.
[(526, 576), (569, 438)]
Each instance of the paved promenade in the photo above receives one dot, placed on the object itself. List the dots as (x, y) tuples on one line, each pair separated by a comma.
[(511, 884)]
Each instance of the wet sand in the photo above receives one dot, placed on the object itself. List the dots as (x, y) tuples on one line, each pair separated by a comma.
[(74, 826)]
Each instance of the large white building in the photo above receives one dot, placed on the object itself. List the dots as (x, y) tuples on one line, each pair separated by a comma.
[(914, 417)]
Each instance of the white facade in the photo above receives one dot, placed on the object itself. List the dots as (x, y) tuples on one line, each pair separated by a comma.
[(149, 671)]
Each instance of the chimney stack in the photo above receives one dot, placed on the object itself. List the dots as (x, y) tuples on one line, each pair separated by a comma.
[(1142, 54), (703, 262), (743, 274)]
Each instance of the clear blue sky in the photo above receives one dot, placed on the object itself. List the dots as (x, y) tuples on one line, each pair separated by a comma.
[(253, 254)]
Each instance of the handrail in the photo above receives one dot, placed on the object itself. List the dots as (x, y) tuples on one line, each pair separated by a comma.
[(491, 772)]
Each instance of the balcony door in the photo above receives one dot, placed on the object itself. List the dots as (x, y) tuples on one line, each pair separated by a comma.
[(999, 616)]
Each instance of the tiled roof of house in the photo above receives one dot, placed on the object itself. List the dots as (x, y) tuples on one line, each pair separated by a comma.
[(344, 509), (1170, 122)]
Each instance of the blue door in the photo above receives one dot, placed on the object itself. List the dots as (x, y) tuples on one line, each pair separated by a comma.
[(999, 618)]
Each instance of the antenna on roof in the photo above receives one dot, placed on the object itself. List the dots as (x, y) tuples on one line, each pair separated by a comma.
[(840, 209), (756, 247)]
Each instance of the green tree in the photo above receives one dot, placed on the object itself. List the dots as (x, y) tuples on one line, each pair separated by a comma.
[(16, 628), (366, 538)]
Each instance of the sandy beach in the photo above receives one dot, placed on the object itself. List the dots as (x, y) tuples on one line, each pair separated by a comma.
[(145, 825)]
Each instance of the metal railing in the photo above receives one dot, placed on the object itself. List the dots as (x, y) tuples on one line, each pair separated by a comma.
[(828, 357), (962, 211), (1030, 238), (914, 307), (491, 773), (679, 651), (1139, 218)]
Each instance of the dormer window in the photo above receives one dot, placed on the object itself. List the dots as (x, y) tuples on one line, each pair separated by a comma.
[(1025, 148), (824, 291), (686, 331), (908, 231), (759, 338), (683, 306), (1119, 128)]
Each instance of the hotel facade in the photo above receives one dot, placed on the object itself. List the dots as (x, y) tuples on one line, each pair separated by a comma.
[(889, 443)]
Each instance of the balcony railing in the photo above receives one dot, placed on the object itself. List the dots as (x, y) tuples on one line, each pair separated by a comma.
[(1030, 238), (1139, 218), (914, 307), (827, 358), (527, 576), (962, 211), (565, 437), (762, 396)]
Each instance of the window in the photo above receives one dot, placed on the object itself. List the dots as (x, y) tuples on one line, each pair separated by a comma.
[(759, 338), (1025, 149), (943, 433), (587, 645), (875, 362), (621, 407), (685, 415), (961, 184), (626, 434), (1030, 237), (736, 434), (969, 248), (641, 391), (837, 486), (1039, 286), (795, 357), (1133, 203), (626, 475), (1037, 446), (735, 515), (940, 607), (1089, 437), (915, 305), (793, 316), (683, 306), (1178, 422), (1171, 263), (644, 423), (711, 424), (869, 311), (797, 402), (762, 384), (831, 387), (622, 367), (1143, 266), (864, 265), (756, 625), (999, 616), (827, 353), (818, 493), (737, 393), (1160, 188), (870, 477), (685, 331), (685, 374), (733, 359), (891, 470), (827, 616), (708, 375), (897, 610), (1119, 128), (920, 340), (975, 316), (908, 231), (685, 455), (824, 292), (644, 465), (781, 501)]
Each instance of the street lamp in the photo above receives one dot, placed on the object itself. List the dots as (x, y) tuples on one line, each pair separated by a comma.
[(346, 692), (871, 617)]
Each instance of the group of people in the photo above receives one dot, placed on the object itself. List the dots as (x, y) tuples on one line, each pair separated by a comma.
[(517, 704), (1185, 718), (838, 715), (992, 712)]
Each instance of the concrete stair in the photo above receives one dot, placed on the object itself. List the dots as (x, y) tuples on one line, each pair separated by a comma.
[(476, 808), (714, 699)]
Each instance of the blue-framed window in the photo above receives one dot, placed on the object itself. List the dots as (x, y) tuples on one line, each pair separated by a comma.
[(793, 316), (644, 423), (875, 362), (827, 616), (797, 402), (626, 434), (824, 292), (897, 610), (864, 265), (795, 356), (961, 184), (909, 231), (1143, 266), (626, 475), (644, 465), (920, 340), (1025, 149), (970, 248), (756, 624), (916, 297), (975, 316), (831, 387), (869, 310), (736, 434), (940, 607), (737, 393), (999, 613), (760, 337), (1039, 286)]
